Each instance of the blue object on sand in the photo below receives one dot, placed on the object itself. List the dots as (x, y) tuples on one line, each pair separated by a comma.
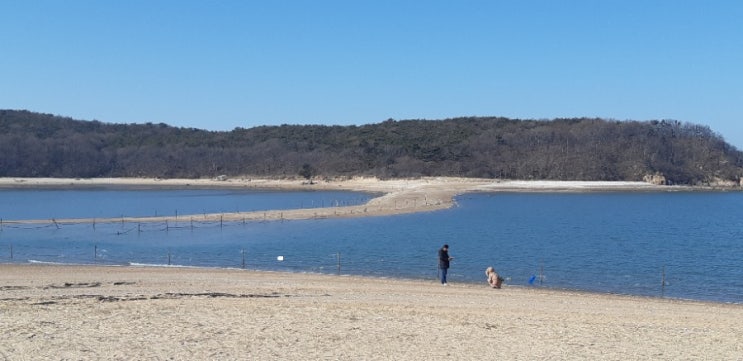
[(532, 278)]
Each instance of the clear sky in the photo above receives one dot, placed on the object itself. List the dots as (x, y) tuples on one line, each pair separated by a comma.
[(223, 64)]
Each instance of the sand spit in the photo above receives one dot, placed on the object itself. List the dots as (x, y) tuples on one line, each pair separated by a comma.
[(397, 196)]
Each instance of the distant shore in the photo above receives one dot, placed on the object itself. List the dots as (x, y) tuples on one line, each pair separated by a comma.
[(397, 196), (136, 313)]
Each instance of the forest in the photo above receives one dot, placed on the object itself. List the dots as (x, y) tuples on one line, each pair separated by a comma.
[(44, 145)]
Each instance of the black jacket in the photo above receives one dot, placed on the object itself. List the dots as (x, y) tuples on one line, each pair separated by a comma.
[(443, 259)]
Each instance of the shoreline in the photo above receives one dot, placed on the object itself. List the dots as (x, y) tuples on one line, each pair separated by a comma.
[(287, 273), (398, 196), (91, 312)]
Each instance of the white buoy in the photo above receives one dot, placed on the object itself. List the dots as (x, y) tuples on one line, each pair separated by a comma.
[(280, 258)]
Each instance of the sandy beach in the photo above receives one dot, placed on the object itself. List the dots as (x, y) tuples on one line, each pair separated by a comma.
[(127, 313), (132, 313)]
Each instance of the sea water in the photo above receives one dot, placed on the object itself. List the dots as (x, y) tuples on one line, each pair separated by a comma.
[(668, 244), (111, 202)]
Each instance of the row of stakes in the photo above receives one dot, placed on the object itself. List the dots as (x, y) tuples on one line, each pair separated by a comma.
[(242, 253), (338, 258)]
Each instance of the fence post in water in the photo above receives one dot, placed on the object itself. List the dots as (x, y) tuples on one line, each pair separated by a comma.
[(663, 281), (11, 251), (339, 262), (168, 256), (55, 223), (94, 224), (95, 252), (243, 254), (541, 274), (221, 220)]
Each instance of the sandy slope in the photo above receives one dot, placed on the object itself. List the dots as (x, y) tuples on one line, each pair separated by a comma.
[(127, 313)]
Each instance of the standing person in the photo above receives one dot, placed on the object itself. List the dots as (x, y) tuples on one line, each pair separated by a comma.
[(444, 262)]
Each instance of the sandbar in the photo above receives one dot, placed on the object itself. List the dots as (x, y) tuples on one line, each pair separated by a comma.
[(395, 196)]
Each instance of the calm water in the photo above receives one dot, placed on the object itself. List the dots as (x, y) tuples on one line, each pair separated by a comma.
[(607, 242), (112, 203)]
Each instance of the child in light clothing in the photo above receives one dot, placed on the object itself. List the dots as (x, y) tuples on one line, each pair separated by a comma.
[(494, 280)]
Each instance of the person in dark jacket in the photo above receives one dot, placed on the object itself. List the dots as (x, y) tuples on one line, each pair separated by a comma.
[(444, 262)]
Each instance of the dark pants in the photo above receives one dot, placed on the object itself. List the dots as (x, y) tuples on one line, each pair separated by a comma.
[(443, 274)]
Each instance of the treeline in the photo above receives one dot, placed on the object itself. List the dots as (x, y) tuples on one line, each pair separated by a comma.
[(43, 145)]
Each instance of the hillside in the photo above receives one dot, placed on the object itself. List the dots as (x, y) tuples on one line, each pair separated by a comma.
[(43, 145)]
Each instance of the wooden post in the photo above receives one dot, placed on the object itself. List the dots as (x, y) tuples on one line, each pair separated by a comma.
[(55, 223), (95, 252), (243, 254), (168, 256), (339, 262), (11, 251), (541, 273), (663, 281)]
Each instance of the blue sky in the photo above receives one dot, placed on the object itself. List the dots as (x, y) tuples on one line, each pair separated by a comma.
[(223, 64)]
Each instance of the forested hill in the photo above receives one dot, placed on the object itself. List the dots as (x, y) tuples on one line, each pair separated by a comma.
[(43, 145)]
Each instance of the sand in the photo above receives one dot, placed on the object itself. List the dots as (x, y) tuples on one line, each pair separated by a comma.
[(136, 313)]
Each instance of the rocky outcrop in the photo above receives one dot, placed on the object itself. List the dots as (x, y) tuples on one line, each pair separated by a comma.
[(656, 179), (724, 183)]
